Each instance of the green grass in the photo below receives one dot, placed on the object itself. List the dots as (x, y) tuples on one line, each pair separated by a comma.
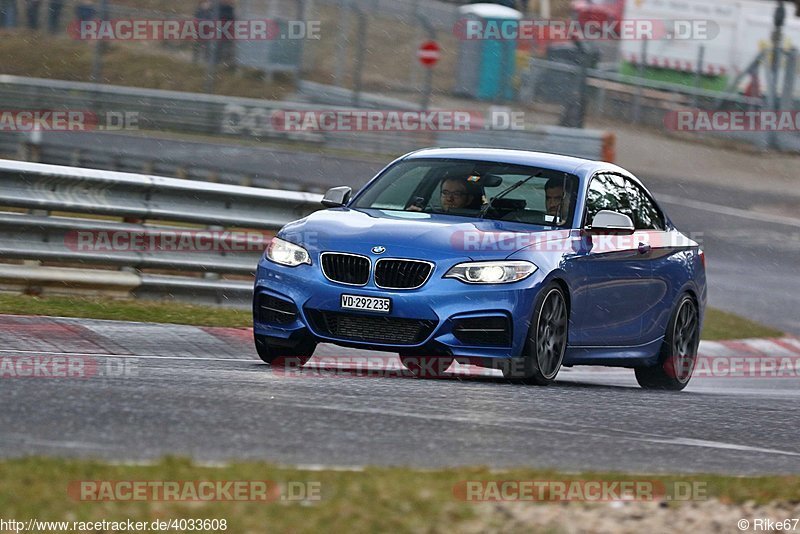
[(124, 310), (26, 53), (723, 325), (719, 325), (710, 83), (373, 500)]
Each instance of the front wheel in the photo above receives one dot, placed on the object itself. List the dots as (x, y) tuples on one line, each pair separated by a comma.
[(678, 352), (276, 354), (546, 342)]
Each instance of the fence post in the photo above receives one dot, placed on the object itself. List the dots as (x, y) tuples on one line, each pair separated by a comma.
[(100, 47), (358, 68), (213, 59), (637, 99), (774, 70), (698, 73), (789, 79), (341, 42), (428, 89)]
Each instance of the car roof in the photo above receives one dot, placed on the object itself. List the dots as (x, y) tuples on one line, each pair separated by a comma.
[(578, 166)]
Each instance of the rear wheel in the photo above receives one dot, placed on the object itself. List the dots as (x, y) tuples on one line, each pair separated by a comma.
[(678, 352), (546, 342), (274, 354), (426, 366)]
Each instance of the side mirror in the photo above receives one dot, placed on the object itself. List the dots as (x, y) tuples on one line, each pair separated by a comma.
[(611, 222), (337, 197)]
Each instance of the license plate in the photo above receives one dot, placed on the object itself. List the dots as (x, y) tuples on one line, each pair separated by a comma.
[(375, 304)]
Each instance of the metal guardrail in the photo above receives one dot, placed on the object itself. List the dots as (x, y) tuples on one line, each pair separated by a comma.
[(251, 118), (156, 109), (59, 149), (85, 199)]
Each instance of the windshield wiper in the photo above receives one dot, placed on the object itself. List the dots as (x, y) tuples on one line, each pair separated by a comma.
[(506, 191)]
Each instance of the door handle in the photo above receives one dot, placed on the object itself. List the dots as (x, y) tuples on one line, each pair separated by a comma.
[(644, 248)]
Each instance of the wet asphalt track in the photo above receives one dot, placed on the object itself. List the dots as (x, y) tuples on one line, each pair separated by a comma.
[(201, 393)]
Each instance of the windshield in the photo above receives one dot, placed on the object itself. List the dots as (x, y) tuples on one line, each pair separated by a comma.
[(475, 189)]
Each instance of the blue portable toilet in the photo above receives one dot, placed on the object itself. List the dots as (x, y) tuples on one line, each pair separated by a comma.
[(486, 65)]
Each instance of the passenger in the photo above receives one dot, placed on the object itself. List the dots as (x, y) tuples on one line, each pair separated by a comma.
[(556, 201)]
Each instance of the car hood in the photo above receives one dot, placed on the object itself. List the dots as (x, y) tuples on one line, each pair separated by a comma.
[(413, 234)]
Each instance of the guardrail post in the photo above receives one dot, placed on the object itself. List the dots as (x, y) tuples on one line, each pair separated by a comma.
[(34, 145), (211, 275)]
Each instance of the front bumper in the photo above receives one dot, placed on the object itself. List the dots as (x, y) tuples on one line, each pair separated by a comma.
[(441, 305)]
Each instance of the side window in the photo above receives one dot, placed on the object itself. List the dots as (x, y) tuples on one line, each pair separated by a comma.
[(616, 193), (645, 214), (607, 192)]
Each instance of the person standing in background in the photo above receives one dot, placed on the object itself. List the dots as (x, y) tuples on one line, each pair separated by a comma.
[(32, 12), (8, 13), (54, 16)]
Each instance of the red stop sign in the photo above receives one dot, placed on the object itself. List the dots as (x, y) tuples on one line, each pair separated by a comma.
[(429, 53)]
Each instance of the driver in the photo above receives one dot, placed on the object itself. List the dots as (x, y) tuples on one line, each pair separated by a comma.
[(456, 194)]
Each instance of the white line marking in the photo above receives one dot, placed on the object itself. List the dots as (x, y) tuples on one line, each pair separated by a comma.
[(726, 210), (132, 356), (583, 433)]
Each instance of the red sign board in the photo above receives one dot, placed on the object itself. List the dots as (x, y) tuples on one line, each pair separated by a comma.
[(429, 53)]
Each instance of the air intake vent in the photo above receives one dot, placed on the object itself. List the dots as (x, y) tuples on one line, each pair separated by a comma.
[(272, 310), (375, 329), (488, 331)]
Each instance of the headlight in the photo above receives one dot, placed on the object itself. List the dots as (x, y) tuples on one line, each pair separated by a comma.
[(492, 272), (286, 253)]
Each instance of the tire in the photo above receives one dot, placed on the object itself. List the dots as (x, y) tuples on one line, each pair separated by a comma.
[(426, 366), (278, 355), (546, 342), (678, 354)]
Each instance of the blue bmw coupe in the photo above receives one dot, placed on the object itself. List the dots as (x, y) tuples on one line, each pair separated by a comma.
[(513, 260)]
